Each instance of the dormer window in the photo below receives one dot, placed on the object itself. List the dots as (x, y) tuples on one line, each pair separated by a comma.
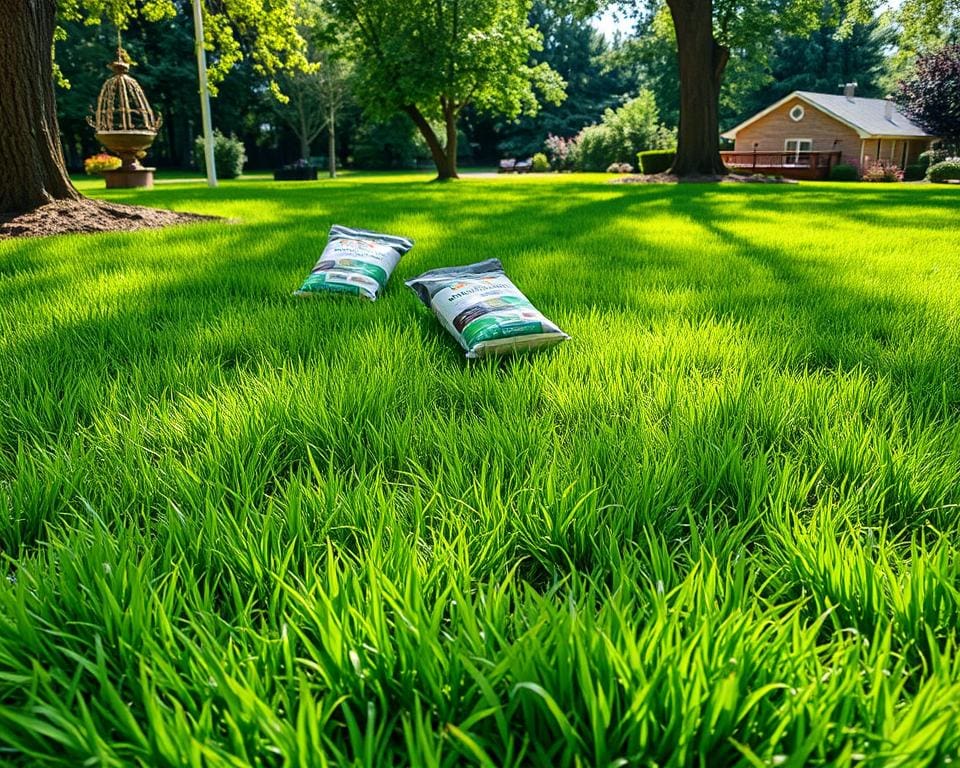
[(797, 113)]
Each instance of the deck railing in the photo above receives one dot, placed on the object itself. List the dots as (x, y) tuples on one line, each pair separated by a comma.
[(765, 159)]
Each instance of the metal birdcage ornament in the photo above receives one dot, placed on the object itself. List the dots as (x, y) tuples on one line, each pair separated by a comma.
[(125, 124)]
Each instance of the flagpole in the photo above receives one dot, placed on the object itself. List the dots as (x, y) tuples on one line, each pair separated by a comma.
[(204, 96)]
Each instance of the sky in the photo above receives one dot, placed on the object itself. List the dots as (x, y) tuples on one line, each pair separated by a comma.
[(608, 24)]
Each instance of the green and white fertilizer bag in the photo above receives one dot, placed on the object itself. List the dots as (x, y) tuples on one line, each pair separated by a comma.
[(483, 310), (355, 261)]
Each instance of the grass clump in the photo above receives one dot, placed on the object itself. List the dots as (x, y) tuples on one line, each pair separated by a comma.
[(718, 527)]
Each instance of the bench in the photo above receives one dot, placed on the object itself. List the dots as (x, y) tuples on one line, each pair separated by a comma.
[(512, 165)]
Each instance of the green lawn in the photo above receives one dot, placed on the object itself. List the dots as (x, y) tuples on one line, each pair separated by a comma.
[(717, 527)]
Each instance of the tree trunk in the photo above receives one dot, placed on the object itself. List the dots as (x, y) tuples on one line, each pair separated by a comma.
[(445, 161), (702, 62), (332, 142), (32, 170), (304, 136)]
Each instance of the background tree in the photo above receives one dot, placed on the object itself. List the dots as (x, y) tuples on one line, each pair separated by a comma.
[(313, 101), (931, 94), (574, 49), (823, 59), (32, 169), (431, 59)]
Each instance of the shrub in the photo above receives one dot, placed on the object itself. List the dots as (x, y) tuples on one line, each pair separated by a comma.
[(932, 157), (948, 170), (228, 155), (621, 134), (656, 160), (883, 173), (914, 172), (99, 163), (844, 172), (595, 150), (635, 127), (540, 163), (562, 152)]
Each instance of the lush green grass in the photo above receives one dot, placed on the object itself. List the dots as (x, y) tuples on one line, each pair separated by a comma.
[(718, 527)]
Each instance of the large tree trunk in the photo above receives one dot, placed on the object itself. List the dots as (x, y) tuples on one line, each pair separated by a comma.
[(32, 170), (702, 62), (332, 142), (444, 159)]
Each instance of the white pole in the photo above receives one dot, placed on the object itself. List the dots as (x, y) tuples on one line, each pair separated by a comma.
[(204, 96)]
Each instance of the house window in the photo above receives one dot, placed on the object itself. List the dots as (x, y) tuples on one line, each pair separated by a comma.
[(797, 113), (794, 148)]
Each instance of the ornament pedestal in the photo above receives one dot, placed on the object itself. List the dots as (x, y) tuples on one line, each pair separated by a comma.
[(133, 178)]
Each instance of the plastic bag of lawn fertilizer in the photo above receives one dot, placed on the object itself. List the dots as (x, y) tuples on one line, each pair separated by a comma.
[(484, 310), (355, 261)]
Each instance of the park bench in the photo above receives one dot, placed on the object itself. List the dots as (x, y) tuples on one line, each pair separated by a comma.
[(512, 165)]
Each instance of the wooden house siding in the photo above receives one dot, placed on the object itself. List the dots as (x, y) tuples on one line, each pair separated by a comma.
[(770, 131)]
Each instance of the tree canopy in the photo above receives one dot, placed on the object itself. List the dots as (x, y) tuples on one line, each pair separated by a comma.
[(433, 58), (931, 94)]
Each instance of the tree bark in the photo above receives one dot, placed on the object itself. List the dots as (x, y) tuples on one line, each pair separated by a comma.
[(332, 142), (445, 161), (702, 62), (32, 169), (303, 134)]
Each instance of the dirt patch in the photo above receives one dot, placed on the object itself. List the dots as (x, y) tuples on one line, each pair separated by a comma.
[(730, 178), (68, 217)]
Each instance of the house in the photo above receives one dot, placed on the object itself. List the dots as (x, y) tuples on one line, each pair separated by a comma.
[(805, 134)]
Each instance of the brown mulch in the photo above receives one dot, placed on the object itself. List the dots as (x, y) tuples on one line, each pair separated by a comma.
[(730, 178), (67, 217)]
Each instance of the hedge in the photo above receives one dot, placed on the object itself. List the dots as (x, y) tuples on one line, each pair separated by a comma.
[(656, 160), (949, 170)]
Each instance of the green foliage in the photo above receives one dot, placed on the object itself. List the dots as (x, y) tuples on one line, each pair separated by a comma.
[(443, 56), (540, 163), (595, 148), (914, 172), (574, 49), (932, 156), (818, 60), (655, 160), (948, 170), (717, 528), (622, 134), (844, 172), (263, 31), (387, 145), (228, 155)]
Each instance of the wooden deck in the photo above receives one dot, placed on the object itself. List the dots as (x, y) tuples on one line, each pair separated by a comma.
[(792, 165)]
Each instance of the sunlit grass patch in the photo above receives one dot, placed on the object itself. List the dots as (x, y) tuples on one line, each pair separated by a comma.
[(716, 527)]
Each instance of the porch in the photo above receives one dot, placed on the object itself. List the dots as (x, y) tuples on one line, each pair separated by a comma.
[(792, 165)]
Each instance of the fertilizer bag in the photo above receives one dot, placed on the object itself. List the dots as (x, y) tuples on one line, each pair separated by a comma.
[(483, 310), (355, 261)]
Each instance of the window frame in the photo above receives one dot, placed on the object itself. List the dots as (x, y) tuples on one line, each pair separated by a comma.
[(797, 149)]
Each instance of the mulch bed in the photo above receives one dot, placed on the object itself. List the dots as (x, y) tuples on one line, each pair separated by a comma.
[(730, 178), (68, 217)]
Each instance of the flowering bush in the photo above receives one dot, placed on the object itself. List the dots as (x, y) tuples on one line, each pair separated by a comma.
[(562, 152), (948, 170), (100, 163), (878, 172)]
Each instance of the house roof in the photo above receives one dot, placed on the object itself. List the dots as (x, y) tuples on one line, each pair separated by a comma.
[(868, 117)]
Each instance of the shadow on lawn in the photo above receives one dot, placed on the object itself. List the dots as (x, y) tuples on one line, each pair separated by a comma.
[(573, 248)]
